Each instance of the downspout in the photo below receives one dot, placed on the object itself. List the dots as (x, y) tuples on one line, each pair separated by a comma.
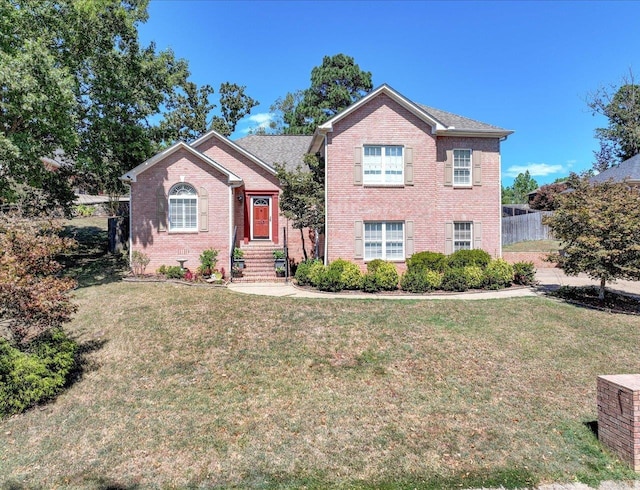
[(326, 201)]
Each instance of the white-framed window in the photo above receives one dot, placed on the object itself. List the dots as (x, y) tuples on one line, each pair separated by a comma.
[(462, 235), (461, 168), (183, 208), (384, 241), (383, 165)]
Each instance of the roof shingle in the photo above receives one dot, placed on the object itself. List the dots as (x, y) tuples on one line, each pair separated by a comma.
[(277, 148)]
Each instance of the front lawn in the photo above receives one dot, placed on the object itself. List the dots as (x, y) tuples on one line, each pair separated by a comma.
[(201, 387)]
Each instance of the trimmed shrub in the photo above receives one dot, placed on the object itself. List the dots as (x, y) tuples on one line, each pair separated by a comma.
[(498, 274), (380, 276), (331, 277), (302, 271), (351, 275), (464, 258), (421, 281), (316, 271), (174, 272), (454, 279), (474, 276), (434, 261), (524, 273), (37, 374)]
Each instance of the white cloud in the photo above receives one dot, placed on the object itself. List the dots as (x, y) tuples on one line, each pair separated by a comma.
[(255, 121), (535, 169)]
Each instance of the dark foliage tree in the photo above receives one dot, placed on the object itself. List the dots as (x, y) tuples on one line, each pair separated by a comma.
[(547, 197)]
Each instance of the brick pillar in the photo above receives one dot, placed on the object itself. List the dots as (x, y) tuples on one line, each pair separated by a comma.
[(619, 416)]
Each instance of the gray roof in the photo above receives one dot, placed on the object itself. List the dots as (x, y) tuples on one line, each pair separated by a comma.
[(449, 119), (627, 170), (277, 148)]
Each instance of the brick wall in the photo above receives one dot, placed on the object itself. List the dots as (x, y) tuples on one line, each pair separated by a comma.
[(619, 416), (428, 203)]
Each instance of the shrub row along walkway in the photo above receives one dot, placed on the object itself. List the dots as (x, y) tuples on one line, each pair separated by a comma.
[(548, 279)]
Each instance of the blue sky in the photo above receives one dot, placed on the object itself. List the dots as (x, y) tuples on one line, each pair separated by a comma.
[(525, 66)]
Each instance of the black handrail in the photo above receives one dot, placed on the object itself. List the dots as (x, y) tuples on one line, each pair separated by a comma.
[(233, 247)]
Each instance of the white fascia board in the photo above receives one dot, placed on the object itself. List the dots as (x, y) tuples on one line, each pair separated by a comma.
[(238, 148), (475, 133), (394, 95), (132, 175)]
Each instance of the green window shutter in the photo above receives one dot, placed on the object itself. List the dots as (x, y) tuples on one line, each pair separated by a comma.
[(357, 165), (448, 237), (408, 166), (203, 208), (408, 245), (448, 169), (359, 243), (477, 235), (476, 161), (161, 209)]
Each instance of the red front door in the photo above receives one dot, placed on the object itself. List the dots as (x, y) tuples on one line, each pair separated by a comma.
[(260, 217)]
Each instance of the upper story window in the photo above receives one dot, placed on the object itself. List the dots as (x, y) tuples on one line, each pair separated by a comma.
[(183, 208), (462, 235), (383, 165), (461, 167)]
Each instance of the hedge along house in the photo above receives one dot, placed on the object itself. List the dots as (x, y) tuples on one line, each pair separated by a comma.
[(212, 193), (404, 178)]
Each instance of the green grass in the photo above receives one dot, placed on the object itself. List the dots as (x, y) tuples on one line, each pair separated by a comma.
[(533, 246), (198, 388)]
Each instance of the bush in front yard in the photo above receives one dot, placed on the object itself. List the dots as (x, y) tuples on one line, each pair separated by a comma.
[(351, 275), (36, 373), (524, 273), (454, 279), (434, 261), (380, 276), (464, 258), (417, 281), (474, 276), (302, 272), (331, 277), (498, 274)]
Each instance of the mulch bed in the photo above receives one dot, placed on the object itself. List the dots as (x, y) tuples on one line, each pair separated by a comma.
[(587, 296)]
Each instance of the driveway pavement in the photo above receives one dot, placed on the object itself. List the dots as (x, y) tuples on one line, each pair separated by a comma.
[(548, 279)]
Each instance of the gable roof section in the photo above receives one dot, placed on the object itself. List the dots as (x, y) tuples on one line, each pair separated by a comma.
[(442, 123), (270, 148), (627, 171), (132, 175), (255, 159)]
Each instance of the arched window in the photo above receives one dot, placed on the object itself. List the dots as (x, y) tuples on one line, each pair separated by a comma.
[(183, 208)]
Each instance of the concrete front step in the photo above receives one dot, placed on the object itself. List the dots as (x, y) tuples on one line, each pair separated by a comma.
[(253, 279)]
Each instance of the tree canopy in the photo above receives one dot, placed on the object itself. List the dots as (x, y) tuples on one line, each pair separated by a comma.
[(518, 192), (335, 84), (620, 139), (74, 77), (599, 227)]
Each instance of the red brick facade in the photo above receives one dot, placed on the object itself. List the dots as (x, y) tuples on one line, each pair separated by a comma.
[(428, 204)]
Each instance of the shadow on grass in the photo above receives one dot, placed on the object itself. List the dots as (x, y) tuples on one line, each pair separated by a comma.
[(83, 364), (587, 297), (97, 483), (592, 425), (90, 263)]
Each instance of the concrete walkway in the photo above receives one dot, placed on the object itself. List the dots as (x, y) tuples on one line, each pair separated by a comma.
[(548, 280)]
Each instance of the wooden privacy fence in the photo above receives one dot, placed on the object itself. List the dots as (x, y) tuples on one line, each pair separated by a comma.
[(525, 227)]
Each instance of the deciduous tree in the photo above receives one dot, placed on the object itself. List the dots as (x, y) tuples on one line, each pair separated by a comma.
[(547, 197), (599, 227)]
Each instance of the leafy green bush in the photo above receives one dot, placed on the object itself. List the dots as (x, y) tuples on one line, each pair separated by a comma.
[(524, 273), (434, 261), (330, 279), (208, 261), (474, 276), (498, 274), (174, 272), (420, 281), (162, 269), (316, 272), (454, 279), (31, 376), (303, 270), (380, 276), (463, 258), (351, 274)]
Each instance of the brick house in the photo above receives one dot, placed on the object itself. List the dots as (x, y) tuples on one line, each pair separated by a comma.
[(400, 178), (403, 178)]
